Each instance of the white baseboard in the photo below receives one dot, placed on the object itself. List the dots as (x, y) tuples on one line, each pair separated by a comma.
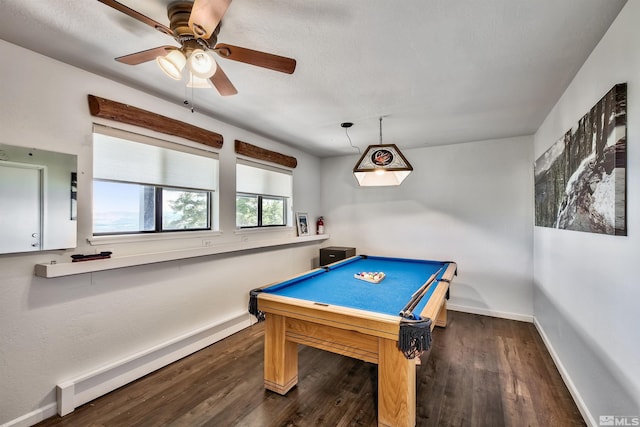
[(86, 387), (33, 417), (582, 407), (492, 313)]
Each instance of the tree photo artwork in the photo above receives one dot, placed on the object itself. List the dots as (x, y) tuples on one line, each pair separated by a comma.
[(302, 222), (580, 182)]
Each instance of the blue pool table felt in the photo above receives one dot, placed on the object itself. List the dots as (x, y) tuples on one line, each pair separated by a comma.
[(337, 286)]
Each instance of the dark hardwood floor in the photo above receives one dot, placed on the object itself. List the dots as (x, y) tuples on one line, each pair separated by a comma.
[(480, 371)]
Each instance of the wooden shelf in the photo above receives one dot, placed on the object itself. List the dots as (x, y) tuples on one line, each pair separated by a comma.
[(71, 268)]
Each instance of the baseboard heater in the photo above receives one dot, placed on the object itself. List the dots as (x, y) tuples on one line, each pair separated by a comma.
[(85, 388)]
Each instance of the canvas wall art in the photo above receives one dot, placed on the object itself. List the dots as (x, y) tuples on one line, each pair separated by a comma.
[(580, 182)]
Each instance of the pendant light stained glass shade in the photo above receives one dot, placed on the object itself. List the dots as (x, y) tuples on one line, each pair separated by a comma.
[(382, 165)]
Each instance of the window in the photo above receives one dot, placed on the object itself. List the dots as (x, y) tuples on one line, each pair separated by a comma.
[(263, 195), (255, 210), (144, 185)]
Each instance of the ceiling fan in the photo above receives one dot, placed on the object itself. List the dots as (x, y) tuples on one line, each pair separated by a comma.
[(195, 26)]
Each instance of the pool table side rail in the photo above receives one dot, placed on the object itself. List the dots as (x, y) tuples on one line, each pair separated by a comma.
[(367, 322), (309, 273), (338, 263), (437, 301)]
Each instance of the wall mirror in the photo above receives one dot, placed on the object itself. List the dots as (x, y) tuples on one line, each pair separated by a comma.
[(38, 205)]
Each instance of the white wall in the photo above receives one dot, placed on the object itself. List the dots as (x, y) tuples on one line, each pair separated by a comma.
[(586, 285), (471, 203), (54, 329)]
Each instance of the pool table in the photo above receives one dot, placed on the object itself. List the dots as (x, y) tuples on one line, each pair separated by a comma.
[(332, 308)]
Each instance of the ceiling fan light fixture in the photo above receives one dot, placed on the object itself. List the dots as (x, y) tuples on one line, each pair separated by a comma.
[(172, 64), (198, 82), (201, 64)]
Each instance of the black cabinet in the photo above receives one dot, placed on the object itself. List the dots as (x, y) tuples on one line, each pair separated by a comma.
[(335, 253)]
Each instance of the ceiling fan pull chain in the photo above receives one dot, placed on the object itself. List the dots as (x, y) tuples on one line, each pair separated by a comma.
[(192, 109), (187, 103)]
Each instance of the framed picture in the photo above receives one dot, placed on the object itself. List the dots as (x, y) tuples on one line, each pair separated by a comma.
[(302, 223), (580, 182)]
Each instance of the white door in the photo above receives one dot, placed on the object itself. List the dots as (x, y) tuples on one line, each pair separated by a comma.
[(20, 207)]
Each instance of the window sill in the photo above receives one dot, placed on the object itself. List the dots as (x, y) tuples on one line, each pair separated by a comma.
[(71, 268), (150, 237), (257, 230)]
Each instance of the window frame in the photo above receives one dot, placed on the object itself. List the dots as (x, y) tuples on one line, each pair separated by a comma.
[(159, 201), (260, 198)]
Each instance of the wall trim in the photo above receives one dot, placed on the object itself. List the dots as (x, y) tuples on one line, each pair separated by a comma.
[(493, 313), (91, 385), (577, 398), (33, 417)]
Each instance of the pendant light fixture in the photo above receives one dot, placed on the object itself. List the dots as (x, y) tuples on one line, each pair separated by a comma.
[(381, 165)]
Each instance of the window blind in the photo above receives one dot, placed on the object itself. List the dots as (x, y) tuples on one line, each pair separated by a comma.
[(127, 157), (255, 178)]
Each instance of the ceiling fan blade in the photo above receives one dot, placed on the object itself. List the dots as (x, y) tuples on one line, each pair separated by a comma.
[(137, 15), (254, 57), (222, 83), (206, 15), (145, 55)]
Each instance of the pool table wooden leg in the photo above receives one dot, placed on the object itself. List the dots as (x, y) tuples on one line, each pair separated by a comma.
[(280, 356), (396, 386), (441, 320)]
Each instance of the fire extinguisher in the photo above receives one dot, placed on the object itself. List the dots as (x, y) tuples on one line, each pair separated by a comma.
[(320, 226)]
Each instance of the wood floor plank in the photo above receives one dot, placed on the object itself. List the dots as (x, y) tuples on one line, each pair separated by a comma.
[(516, 396), (546, 382), (480, 371), (457, 400), (433, 373), (486, 403)]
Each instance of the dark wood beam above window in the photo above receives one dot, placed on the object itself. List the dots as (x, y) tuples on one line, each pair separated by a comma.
[(123, 113), (259, 153)]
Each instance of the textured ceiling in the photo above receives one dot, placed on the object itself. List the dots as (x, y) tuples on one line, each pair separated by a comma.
[(438, 71)]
